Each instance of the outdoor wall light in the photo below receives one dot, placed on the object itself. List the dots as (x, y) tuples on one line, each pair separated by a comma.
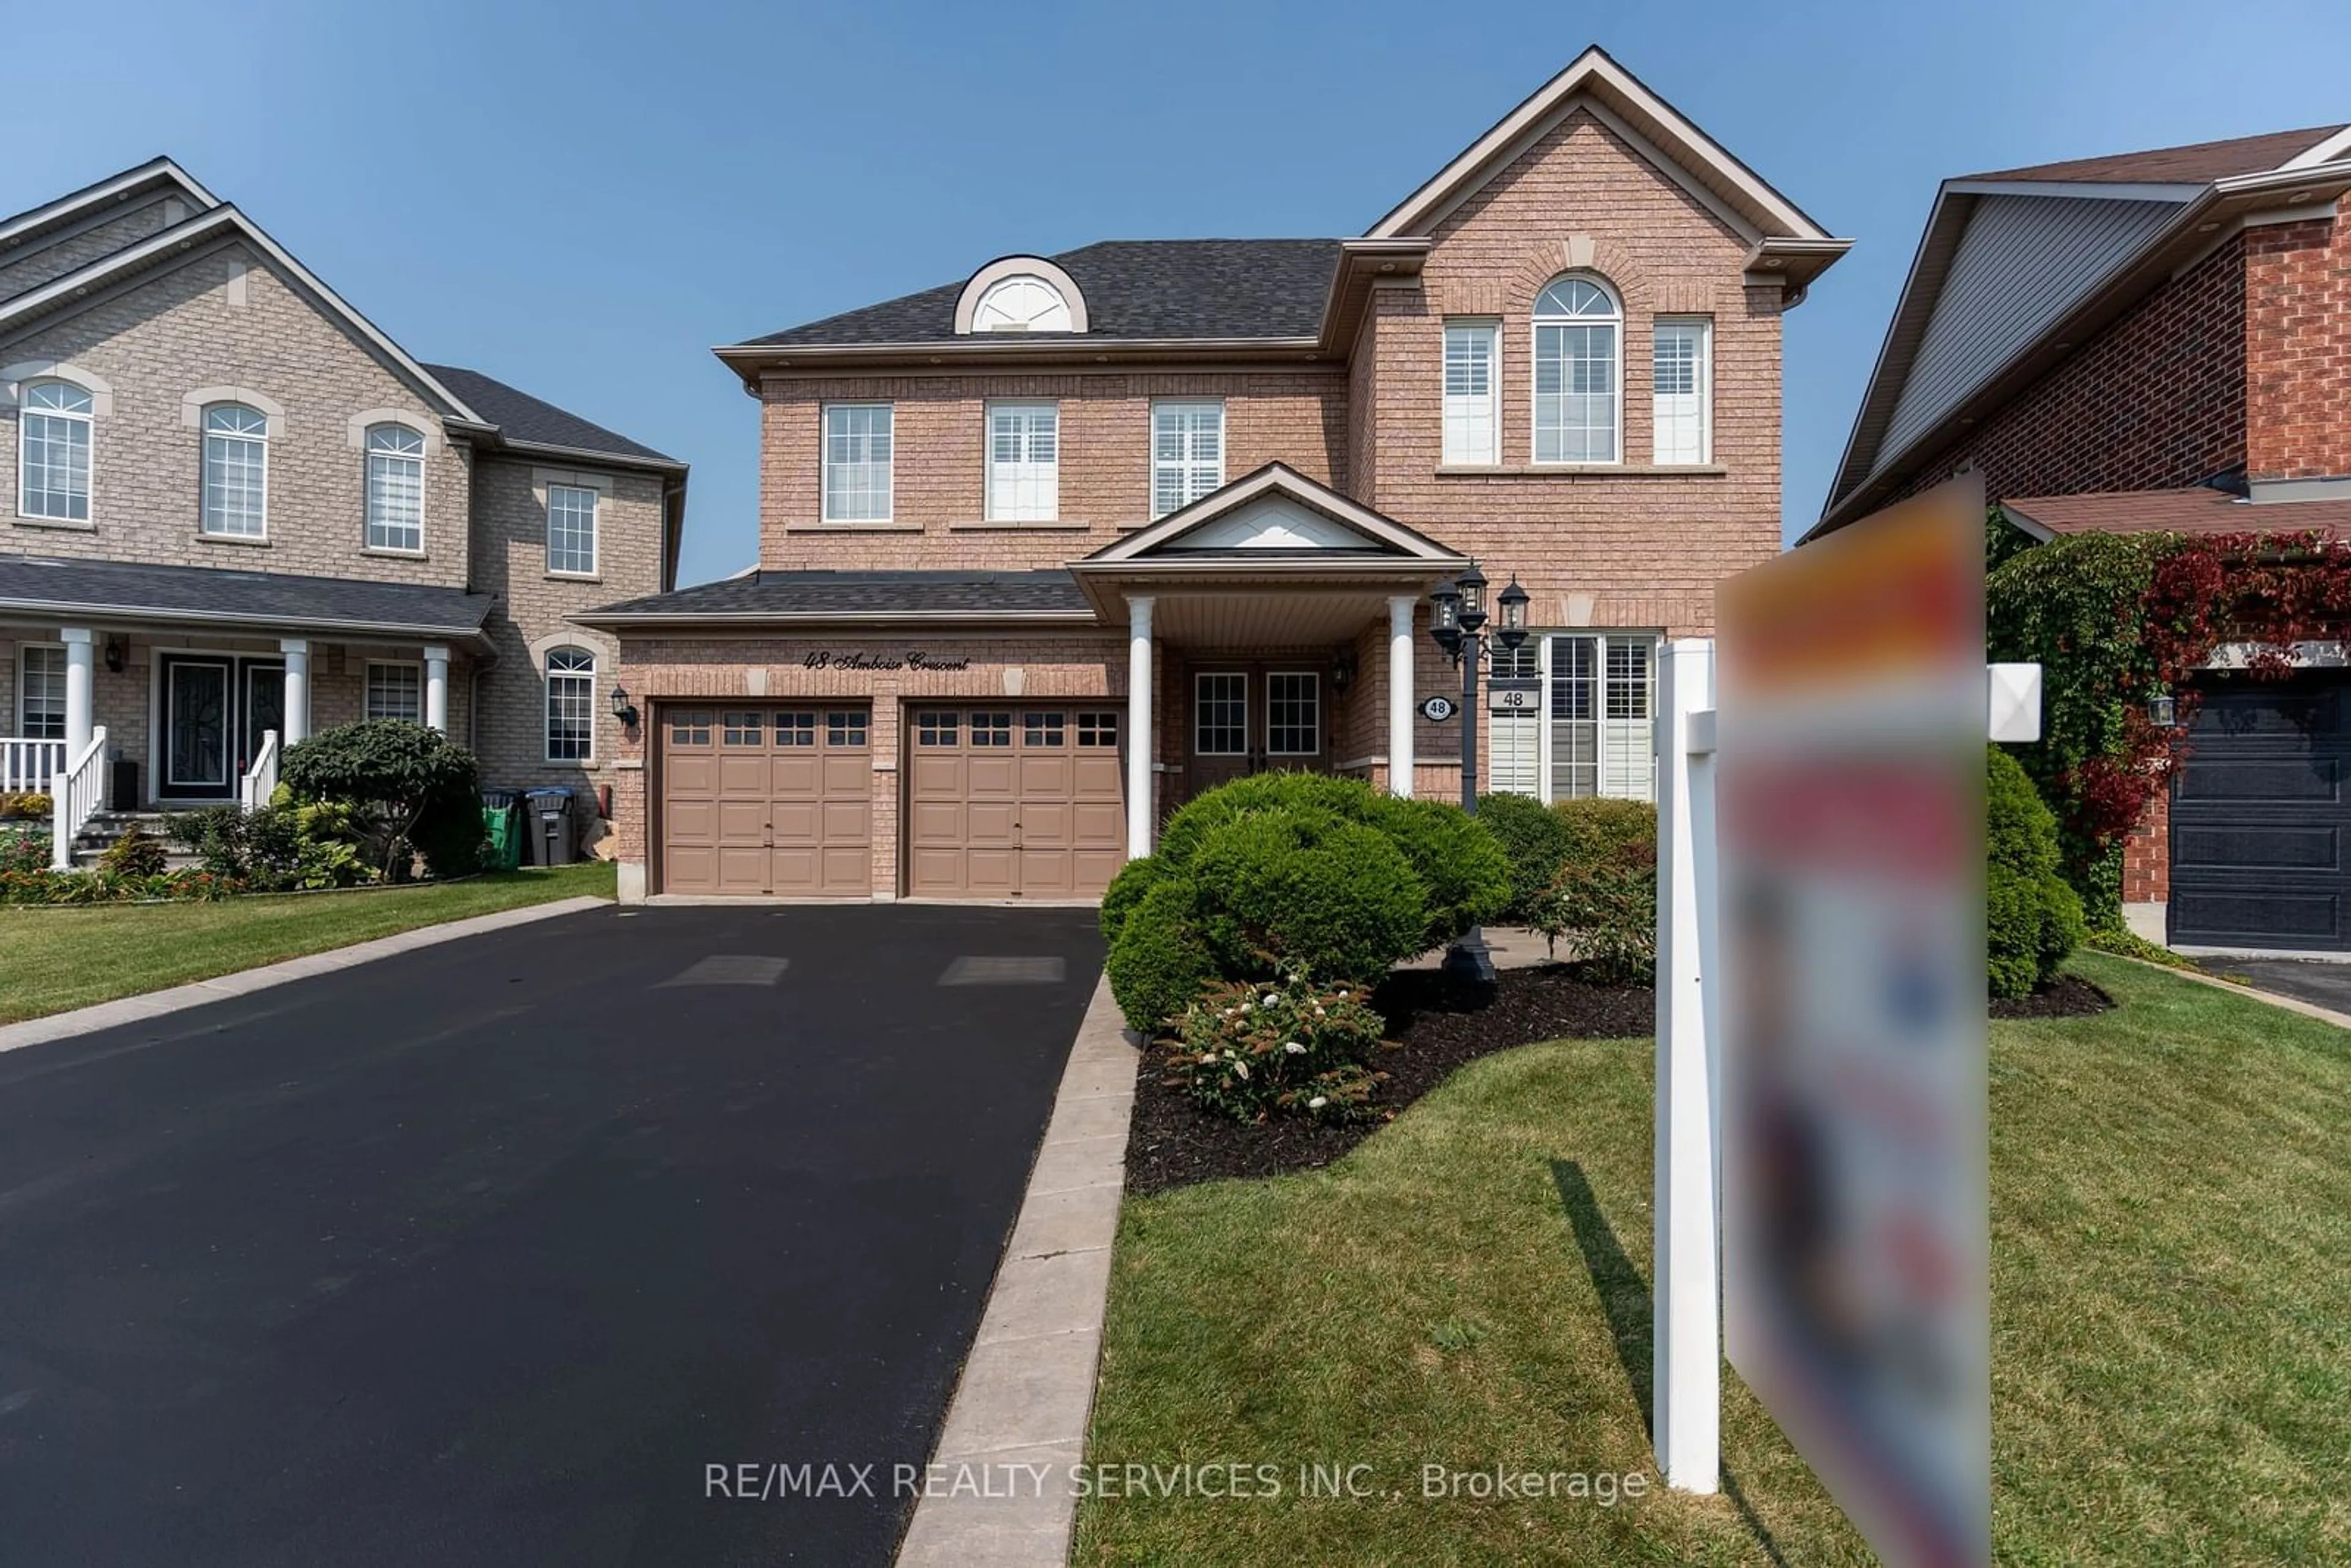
[(622, 708), (1343, 670), (2162, 712), (118, 651)]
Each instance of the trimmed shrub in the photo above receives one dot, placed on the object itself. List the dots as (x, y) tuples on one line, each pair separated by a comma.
[(1250, 1049), (415, 788), (1254, 792), (1535, 841), (1598, 830), (1458, 861), (1158, 963), (2033, 919), (1604, 900), (1135, 879), (1305, 889)]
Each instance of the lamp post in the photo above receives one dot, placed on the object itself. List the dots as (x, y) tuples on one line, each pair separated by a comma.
[(1458, 622)]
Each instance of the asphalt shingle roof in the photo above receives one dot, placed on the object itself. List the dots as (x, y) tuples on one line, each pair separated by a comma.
[(523, 417), (765, 592), (2197, 163), (1134, 289), (262, 596)]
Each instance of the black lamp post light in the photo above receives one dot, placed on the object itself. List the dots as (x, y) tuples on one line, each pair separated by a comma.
[(1458, 622)]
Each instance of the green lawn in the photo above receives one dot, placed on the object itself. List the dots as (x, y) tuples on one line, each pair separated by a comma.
[(2171, 1315), (53, 960)]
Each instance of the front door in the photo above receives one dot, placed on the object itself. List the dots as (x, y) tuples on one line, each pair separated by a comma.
[(214, 709), (1253, 719)]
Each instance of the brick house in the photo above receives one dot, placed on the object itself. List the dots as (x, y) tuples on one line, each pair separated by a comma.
[(1046, 549), (239, 508), (2156, 341)]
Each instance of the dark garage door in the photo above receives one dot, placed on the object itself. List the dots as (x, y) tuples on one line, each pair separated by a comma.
[(2260, 817)]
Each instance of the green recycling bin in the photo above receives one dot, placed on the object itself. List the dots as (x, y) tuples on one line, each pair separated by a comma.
[(501, 825)]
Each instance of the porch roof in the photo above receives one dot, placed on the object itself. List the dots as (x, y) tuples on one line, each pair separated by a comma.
[(761, 597), (111, 593)]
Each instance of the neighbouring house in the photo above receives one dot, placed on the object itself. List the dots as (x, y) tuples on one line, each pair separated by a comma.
[(2156, 341), (1047, 549), (239, 509)]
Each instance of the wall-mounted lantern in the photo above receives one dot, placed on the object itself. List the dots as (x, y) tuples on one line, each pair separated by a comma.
[(622, 708)]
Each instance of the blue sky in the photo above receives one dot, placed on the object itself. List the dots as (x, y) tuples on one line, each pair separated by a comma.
[(582, 197)]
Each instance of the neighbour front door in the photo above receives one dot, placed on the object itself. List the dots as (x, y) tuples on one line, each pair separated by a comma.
[(1254, 720), (214, 709)]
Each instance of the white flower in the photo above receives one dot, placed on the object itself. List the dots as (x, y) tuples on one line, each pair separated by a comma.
[(1343, 995), (1295, 1049), (1206, 1056), (1319, 1012), (1272, 1000), (1317, 1101), (1241, 1070), (1248, 1006), (1228, 1053)]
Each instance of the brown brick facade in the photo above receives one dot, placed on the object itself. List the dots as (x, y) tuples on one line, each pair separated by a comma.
[(2298, 344)]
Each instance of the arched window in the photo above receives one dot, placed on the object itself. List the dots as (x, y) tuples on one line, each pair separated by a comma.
[(52, 452), (570, 704), (1024, 303), (237, 472), (1579, 331), (395, 489)]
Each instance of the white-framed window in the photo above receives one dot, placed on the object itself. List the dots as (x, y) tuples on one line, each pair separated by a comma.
[(1514, 736), (41, 691), (1682, 387), (1293, 712), (570, 704), (237, 472), (1577, 331), (1025, 303), (1024, 462), (1600, 718), (1220, 713), (1187, 453), (571, 530), (395, 489), (857, 473), (1473, 354), (395, 690), (52, 452)]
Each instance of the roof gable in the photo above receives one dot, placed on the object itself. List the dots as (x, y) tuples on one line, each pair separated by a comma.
[(158, 174), (1275, 509), (1593, 80)]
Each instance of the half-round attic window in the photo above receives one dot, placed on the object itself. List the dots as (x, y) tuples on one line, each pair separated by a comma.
[(1020, 294), (1021, 304)]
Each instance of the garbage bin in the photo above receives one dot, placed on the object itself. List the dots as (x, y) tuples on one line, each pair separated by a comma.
[(547, 815)]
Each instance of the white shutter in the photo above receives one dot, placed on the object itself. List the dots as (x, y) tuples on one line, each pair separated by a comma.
[(1627, 742), (1187, 453), (1024, 471), (1470, 392), (1680, 377)]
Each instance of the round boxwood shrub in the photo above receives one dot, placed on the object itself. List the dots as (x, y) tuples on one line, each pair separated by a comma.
[(1461, 863), (1135, 879), (1212, 809), (1535, 841), (1281, 890), (1159, 961), (2032, 919)]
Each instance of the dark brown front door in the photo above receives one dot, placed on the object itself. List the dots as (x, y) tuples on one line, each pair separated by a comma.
[(1257, 718)]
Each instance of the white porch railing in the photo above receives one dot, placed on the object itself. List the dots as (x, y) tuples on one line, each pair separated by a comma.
[(26, 764), (260, 780), (79, 787)]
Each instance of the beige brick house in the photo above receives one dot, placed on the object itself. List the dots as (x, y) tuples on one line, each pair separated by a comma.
[(238, 509), (1047, 549)]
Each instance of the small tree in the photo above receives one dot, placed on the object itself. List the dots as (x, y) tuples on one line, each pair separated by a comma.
[(418, 791)]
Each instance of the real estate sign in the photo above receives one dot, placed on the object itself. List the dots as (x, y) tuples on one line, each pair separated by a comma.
[(1850, 778)]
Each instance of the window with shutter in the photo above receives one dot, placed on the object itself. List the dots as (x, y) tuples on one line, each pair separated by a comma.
[(1187, 453), (1471, 349), (1680, 385), (1024, 469)]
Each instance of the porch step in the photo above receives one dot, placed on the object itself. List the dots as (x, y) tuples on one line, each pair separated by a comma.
[(104, 828)]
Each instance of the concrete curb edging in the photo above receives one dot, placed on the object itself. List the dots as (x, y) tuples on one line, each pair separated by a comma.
[(156, 1004), (2289, 1004), (1018, 1422)]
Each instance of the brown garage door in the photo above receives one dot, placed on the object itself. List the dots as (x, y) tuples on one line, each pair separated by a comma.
[(767, 800), (1013, 802)]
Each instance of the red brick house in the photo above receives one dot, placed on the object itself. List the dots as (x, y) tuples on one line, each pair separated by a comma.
[(1046, 549), (2156, 341)]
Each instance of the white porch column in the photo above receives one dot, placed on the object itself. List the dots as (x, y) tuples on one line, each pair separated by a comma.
[(81, 686), (437, 689), (297, 689), (1141, 742), (1400, 651)]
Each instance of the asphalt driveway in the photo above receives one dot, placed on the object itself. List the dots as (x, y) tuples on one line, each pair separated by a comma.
[(2323, 982), (490, 1252)]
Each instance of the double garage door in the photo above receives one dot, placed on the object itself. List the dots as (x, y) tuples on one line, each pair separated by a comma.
[(1001, 802), (2261, 817)]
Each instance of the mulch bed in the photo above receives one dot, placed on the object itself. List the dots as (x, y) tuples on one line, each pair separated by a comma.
[(2066, 997), (1435, 1024)]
